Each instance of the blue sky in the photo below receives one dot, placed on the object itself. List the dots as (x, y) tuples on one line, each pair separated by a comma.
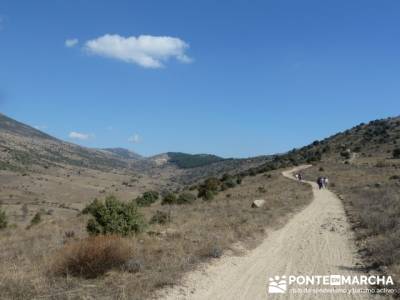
[(233, 78)]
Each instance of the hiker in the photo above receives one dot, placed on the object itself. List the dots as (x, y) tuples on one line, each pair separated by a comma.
[(325, 181), (297, 176), (300, 177), (320, 183)]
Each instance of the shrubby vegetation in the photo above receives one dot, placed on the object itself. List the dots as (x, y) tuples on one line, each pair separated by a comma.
[(147, 198), (169, 198), (160, 217), (345, 154), (92, 257), (3, 219), (211, 186), (186, 198), (37, 218), (186, 161), (183, 198), (114, 217), (396, 153)]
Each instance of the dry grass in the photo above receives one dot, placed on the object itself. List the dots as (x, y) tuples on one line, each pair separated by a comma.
[(159, 257), (91, 257), (371, 195)]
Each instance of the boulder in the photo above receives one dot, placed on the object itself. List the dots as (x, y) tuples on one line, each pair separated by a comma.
[(258, 203)]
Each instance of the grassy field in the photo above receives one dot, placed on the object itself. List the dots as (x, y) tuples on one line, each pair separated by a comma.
[(39, 262)]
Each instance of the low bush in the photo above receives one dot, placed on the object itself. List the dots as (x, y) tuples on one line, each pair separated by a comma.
[(91, 257), (212, 184), (210, 187), (186, 198), (3, 219), (147, 198), (169, 198), (92, 207), (160, 217), (205, 194), (345, 154), (37, 218), (114, 217), (396, 153)]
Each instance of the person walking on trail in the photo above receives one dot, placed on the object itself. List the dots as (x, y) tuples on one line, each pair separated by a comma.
[(297, 176), (320, 182), (300, 177), (325, 182)]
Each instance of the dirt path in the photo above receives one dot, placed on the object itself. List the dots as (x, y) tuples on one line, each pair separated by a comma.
[(316, 241)]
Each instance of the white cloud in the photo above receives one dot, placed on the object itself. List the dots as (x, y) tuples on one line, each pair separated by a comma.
[(71, 42), (145, 50), (79, 136), (134, 138)]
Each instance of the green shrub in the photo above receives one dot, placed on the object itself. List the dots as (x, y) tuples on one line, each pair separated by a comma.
[(396, 153), (186, 198), (357, 149), (91, 208), (169, 198), (205, 194), (230, 183), (212, 184), (37, 218), (114, 217), (147, 198), (345, 154), (160, 217), (3, 219)]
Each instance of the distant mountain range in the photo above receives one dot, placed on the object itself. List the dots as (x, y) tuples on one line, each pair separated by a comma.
[(23, 147), (124, 153)]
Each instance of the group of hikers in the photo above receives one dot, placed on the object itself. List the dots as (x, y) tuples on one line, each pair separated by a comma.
[(298, 176), (322, 182)]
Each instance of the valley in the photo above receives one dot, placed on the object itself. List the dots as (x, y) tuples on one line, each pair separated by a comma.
[(192, 210)]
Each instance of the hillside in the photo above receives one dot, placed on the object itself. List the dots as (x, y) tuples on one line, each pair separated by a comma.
[(187, 161), (25, 148), (14, 127), (376, 140), (35, 165), (363, 168), (123, 153)]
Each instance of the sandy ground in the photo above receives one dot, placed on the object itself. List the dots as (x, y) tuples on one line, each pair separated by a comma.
[(316, 241)]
